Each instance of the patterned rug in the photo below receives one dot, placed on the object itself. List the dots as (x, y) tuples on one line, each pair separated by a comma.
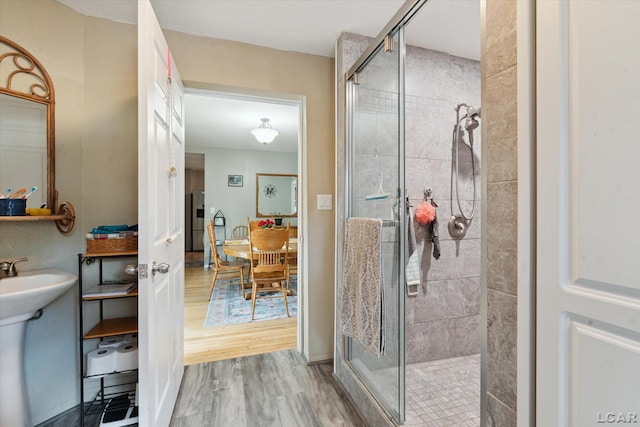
[(228, 307)]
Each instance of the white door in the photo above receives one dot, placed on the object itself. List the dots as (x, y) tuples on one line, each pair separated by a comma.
[(588, 240), (161, 219)]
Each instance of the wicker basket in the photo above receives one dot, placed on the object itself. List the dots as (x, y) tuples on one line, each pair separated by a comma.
[(126, 244)]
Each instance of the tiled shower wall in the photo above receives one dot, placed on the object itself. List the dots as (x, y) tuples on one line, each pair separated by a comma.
[(443, 321)]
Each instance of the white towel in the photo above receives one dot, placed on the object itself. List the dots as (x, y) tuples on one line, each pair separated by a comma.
[(362, 296)]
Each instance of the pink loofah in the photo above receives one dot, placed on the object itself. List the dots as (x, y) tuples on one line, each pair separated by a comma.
[(425, 213)]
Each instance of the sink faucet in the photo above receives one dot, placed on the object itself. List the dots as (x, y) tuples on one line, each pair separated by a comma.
[(9, 267)]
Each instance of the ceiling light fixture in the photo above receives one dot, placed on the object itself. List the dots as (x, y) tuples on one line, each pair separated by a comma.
[(265, 133)]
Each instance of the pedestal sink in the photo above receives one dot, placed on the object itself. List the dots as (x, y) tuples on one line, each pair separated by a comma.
[(20, 298)]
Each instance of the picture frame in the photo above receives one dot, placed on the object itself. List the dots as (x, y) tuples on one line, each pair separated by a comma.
[(234, 180)]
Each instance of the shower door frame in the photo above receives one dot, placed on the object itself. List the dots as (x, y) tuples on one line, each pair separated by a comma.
[(397, 31)]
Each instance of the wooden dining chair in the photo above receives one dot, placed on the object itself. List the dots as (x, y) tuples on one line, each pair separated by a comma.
[(270, 270), (293, 260), (240, 232), (252, 225), (223, 269)]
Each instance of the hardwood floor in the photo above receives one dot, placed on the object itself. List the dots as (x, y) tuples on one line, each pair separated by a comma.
[(274, 389), (225, 342)]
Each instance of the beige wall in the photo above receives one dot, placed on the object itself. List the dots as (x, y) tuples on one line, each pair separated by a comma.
[(219, 62), (110, 125), (499, 107)]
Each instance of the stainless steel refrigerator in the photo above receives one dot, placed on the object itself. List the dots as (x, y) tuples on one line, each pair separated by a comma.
[(194, 221)]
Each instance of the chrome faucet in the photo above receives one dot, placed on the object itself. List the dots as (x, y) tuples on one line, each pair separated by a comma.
[(9, 267)]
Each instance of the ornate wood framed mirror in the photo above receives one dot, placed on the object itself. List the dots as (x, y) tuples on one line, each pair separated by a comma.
[(27, 133)]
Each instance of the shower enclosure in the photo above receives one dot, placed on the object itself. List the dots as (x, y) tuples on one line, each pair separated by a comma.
[(401, 103)]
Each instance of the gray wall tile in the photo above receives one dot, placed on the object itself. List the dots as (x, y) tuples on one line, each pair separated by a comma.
[(500, 35), (500, 114), (502, 211), (501, 348), (498, 415)]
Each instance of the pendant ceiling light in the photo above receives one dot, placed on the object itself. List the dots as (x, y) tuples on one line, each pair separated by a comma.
[(265, 133)]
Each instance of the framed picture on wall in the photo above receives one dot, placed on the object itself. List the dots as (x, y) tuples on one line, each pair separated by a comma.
[(234, 180)]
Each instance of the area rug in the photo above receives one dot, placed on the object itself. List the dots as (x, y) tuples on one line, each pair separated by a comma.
[(228, 306)]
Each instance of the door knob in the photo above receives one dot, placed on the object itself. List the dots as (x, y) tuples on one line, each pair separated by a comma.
[(131, 269), (162, 268)]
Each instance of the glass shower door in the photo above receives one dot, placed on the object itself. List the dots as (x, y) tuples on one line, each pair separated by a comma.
[(375, 190)]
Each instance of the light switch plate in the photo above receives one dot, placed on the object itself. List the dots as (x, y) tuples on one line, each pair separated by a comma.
[(324, 202), (212, 211)]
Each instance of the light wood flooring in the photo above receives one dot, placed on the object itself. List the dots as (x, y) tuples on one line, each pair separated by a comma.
[(274, 389), (203, 344)]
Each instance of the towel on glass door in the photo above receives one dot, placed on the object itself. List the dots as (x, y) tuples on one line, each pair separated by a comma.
[(412, 270), (362, 296)]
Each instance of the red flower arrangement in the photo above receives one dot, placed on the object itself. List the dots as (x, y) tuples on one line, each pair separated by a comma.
[(266, 223)]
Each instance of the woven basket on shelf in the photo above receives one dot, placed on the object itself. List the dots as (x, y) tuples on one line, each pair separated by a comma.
[(125, 244)]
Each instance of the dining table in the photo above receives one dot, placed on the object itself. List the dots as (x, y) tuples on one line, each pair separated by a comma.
[(239, 248)]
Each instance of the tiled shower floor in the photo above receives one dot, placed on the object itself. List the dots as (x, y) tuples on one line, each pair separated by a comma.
[(444, 393)]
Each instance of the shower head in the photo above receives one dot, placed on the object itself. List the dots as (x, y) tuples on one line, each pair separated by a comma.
[(470, 124), (471, 121)]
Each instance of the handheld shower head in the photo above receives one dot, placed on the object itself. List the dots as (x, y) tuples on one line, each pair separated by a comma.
[(470, 124)]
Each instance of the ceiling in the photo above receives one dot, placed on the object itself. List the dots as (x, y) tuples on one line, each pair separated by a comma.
[(225, 121), (308, 26)]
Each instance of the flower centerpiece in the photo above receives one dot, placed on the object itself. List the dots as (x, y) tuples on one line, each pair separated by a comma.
[(265, 223)]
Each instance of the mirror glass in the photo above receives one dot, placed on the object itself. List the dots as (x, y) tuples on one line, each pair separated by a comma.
[(26, 125), (276, 195), (23, 147)]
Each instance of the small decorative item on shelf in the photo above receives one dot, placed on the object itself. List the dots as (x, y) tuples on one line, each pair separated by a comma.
[(278, 221), (266, 223)]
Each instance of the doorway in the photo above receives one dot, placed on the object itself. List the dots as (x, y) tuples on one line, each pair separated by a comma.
[(218, 133)]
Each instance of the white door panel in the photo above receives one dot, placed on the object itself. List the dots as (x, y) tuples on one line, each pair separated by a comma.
[(604, 361), (588, 272), (161, 214)]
